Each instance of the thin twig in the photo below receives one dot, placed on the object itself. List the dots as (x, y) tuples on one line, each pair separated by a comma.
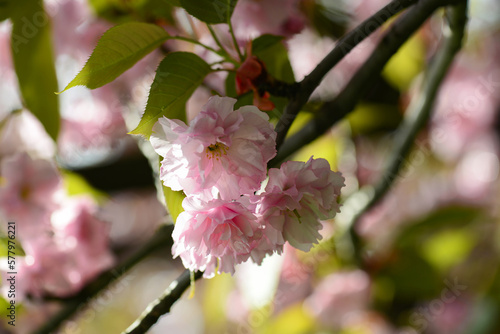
[(336, 109), (163, 304), (418, 114), (235, 42), (193, 41), (162, 238), (219, 44), (343, 47)]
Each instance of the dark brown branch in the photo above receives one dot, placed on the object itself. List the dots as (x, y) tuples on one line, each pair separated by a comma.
[(344, 103), (343, 47), (417, 116)]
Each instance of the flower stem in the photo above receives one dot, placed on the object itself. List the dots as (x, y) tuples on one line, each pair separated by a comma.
[(193, 41), (226, 54)]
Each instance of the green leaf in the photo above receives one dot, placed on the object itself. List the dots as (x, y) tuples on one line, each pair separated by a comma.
[(447, 248), (272, 52), (262, 43), (173, 200), (292, 320), (75, 184), (118, 50), (417, 232), (210, 11), (177, 76), (368, 118), (135, 10), (33, 58)]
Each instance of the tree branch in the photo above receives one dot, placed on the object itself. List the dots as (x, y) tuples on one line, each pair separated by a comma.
[(162, 238), (417, 116), (347, 99), (343, 47), (163, 304)]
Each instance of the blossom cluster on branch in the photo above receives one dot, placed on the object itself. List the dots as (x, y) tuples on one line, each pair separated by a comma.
[(220, 162)]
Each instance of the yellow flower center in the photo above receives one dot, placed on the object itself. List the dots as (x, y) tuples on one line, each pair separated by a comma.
[(216, 150)]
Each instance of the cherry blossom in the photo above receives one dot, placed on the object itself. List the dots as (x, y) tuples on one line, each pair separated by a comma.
[(221, 153), (296, 196), (214, 235)]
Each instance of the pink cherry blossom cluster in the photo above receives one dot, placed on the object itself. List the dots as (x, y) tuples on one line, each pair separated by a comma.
[(65, 245), (220, 162)]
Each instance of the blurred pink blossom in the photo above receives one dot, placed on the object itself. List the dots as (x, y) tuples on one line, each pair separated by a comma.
[(23, 132), (133, 215), (95, 121), (62, 263), (308, 48), (465, 109), (76, 29), (221, 153), (214, 235), (253, 18), (338, 296), (28, 192)]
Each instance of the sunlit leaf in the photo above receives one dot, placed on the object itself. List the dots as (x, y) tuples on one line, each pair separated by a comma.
[(450, 217), (293, 320), (177, 76), (215, 295), (210, 11), (447, 248), (31, 44), (173, 199), (77, 185), (406, 64), (118, 50), (371, 117)]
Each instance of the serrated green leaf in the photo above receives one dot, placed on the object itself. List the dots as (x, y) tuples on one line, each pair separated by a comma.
[(210, 11), (118, 50), (177, 76), (31, 44)]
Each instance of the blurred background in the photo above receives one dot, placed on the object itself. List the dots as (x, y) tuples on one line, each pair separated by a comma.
[(432, 246)]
